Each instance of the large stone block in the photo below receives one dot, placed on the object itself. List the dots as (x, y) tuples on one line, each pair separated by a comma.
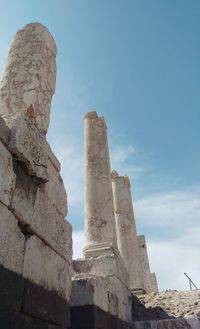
[(89, 290), (55, 189), (29, 146), (107, 265), (109, 294), (47, 305), (35, 211), (7, 175), (44, 267), (12, 241), (11, 288)]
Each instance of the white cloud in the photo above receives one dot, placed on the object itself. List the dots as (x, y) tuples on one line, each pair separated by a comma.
[(78, 241), (178, 210), (121, 158), (171, 258), (172, 223), (175, 212)]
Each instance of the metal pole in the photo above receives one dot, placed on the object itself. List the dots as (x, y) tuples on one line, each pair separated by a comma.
[(191, 282)]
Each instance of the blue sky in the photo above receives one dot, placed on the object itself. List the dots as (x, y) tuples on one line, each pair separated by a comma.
[(136, 63)]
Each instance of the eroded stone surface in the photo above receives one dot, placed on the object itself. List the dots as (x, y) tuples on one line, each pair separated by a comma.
[(175, 303), (103, 266), (149, 279), (4, 132), (29, 77), (46, 268), (29, 147), (12, 241), (98, 205), (108, 293), (32, 207), (55, 189), (126, 229), (7, 175)]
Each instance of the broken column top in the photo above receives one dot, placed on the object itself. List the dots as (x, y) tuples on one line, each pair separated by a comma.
[(124, 179), (28, 82)]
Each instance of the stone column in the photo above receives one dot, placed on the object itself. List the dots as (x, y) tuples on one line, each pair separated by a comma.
[(148, 278), (100, 232), (126, 229), (29, 76)]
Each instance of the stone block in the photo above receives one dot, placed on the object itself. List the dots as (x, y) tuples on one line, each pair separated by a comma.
[(35, 211), (89, 290), (7, 175), (12, 241), (55, 189), (109, 294), (44, 267), (6, 317), (29, 147), (107, 265), (47, 305), (4, 132), (11, 289)]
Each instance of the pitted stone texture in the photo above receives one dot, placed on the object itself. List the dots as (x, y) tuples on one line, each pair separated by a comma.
[(12, 241), (4, 132), (149, 279), (29, 147), (29, 77), (55, 189), (104, 266), (89, 290), (35, 211), (44, 267), (175, 303), (109, 294), (7, 175), (126, 229), (98, 205)]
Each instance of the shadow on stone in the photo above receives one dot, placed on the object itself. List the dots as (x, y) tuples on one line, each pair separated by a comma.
[(141, 313)]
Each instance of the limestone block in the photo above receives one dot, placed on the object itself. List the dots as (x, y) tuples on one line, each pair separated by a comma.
[(4, 132), (35, 211), (104, 266), (46, 268), (55, 189), (89, 290), (109, 294), (29, 147), (120, 299), (7, 175), (12, 241)]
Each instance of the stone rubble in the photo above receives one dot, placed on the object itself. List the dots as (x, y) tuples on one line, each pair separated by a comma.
[(174, 303)]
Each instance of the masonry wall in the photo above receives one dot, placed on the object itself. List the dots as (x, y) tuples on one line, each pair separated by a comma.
[(35, 240)]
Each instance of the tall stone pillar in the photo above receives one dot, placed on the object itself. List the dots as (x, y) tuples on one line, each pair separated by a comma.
[(29, 76), (148, 278), (126, 229), (100, 231)]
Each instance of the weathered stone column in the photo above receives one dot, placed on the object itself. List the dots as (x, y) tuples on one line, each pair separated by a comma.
[(148, 278), (100, 232), (126, 229), (29, 76)]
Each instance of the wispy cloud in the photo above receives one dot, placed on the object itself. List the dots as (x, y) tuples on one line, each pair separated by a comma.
[(170, 255), (178, 210), (122, 160), (170, 258)]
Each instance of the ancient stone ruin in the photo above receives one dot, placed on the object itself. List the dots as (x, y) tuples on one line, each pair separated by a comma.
[(112, 286)]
